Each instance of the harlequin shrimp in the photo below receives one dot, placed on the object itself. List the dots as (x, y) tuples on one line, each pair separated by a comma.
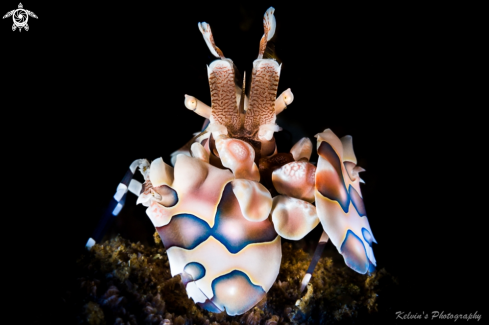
[(228, 197)]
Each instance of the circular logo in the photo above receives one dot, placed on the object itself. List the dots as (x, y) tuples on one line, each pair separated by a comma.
[(20, 17)]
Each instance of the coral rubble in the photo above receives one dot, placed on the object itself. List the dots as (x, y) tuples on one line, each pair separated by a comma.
[(120, 282)]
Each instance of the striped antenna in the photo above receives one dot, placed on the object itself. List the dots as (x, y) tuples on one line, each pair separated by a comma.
[(128, 184), (315, 258)]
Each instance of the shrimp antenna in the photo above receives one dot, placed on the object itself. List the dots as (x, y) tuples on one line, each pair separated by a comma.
[(269, 25), (205, 29), (241, 109)]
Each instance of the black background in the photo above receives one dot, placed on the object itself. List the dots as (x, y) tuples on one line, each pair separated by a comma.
[(91, 87)]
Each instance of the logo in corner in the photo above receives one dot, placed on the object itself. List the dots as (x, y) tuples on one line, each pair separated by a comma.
[(20, 17)]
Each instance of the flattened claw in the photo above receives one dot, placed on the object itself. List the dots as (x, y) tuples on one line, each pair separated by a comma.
[(339, 202)]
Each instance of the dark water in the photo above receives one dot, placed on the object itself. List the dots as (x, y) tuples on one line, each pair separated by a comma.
[(93, 87)]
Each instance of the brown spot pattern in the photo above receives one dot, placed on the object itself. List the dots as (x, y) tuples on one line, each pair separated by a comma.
[(262, 97), (223, 96)]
